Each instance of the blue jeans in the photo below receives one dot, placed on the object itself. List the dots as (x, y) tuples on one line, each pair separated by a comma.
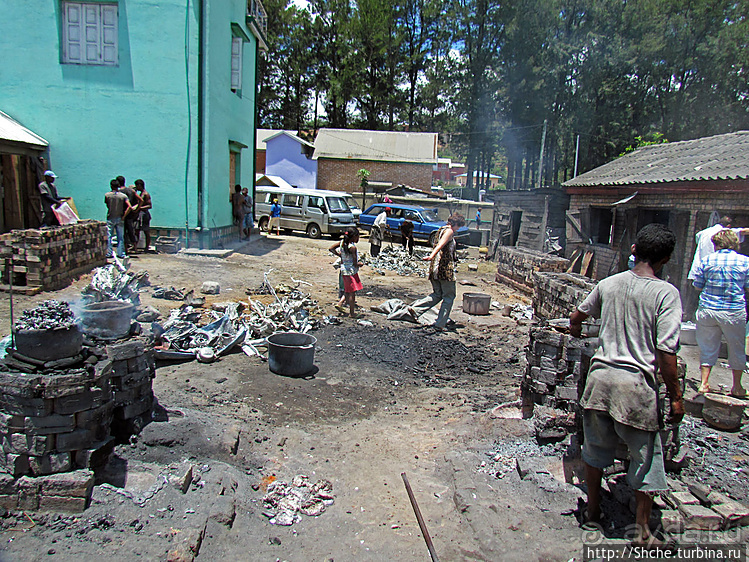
[(441, 291), (116, 226)]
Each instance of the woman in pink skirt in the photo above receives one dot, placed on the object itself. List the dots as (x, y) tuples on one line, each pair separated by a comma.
[(350, 268)]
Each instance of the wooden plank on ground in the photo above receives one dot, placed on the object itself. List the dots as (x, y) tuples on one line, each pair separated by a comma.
[(587, 258)]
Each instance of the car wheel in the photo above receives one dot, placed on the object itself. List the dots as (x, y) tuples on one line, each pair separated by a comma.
[(262, 224), (434, 238), (313, 231)]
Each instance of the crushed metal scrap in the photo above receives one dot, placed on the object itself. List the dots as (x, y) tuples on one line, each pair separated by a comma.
[(48, 315), (395, 258), (285, 501), (115, 283)]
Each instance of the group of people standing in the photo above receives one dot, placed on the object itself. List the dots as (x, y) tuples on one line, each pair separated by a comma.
[(128, 214), (241, 204), (441, 275), (641, 317)]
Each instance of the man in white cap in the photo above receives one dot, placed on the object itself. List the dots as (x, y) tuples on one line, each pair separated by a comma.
[(50, 199)]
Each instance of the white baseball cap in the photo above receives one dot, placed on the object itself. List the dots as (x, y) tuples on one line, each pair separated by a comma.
[(50, 173)]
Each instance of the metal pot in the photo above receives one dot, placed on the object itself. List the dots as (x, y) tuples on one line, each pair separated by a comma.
[(723, 412), (49, 345), (107, 320), (291, 353), (476, 303)]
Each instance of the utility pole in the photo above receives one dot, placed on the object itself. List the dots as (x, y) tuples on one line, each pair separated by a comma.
[(541, 156), (577, 153)]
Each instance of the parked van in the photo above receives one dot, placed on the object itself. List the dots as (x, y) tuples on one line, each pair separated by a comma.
[(353, 205), (314, 211)]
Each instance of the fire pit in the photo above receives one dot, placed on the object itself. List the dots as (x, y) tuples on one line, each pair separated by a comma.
[(50, 344)]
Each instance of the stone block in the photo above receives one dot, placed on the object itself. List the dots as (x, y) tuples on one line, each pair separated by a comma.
[(540, 388), (716, 498), (119, 370), (697, 517), (26, 406), (9, 502), (548, 337), (7, 484), (90, 419), (15, 465), (56, 386), (210, 288), (63, 504), (94, 457), (75, 440), (135, 409), (77, 483), (28, 493), (543, 376), (125, 350), (554, 365), (56, 423), (672, 521), (50, 463), (677, 499), (182, 480), (223, 510), (11, 423), (137, 364), (135, 378), (75, 403), (545, 350), (566, 392), (733, 514), (27, 444)]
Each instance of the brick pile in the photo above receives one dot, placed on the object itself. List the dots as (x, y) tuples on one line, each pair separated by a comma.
[(47, 259), (132, 370), (53, 423), (516, 266), (69, 492), (556, 295)]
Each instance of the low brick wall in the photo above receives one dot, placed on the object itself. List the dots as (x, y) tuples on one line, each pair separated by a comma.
[(132, 370), (69, 492), (556, 295), (517, 266), (49, 258)]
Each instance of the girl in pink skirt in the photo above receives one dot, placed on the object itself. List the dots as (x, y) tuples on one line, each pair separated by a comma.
[(350, 268)]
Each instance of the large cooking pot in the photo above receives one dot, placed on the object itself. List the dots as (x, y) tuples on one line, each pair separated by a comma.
[(49, 345), (291, 353), (476, 303), (108, 320)]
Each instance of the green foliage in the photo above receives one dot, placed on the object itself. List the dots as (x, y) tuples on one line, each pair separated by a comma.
[(655, 138)]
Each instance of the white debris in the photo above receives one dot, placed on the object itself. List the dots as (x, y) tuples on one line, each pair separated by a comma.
[(284, 502)]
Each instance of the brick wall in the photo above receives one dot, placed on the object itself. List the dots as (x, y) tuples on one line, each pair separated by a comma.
[(516, 266), (340, 175)]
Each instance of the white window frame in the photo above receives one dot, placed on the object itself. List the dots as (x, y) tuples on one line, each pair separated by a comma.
[(237, 46), (90, 33)]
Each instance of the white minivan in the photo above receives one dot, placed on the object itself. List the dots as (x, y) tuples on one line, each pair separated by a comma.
[(314, 211)]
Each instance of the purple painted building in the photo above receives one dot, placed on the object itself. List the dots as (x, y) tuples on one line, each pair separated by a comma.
[(290, 157)]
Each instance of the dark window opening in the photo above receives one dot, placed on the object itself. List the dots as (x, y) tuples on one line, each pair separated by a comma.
[(515, 220), (601, 221)]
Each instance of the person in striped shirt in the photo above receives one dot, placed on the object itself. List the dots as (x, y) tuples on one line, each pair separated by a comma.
[(722, 279)]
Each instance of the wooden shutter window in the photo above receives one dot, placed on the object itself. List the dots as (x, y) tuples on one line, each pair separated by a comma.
[(236, 64), (90, 33)]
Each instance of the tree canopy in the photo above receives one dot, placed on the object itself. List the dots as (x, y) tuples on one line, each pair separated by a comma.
[(494, 78)]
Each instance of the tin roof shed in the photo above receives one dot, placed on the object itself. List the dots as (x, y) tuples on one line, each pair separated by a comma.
[(383, 146)]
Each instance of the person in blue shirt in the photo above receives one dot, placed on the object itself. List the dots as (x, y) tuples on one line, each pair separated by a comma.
[(478, 217), (722, 279), (275, 218)]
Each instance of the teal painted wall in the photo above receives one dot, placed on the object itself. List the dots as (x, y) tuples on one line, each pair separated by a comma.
[(135, 119)]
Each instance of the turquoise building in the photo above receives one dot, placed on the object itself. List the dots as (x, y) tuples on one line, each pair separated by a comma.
[(160, 90)]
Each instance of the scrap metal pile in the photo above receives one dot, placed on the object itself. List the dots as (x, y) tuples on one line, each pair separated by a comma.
[(284, 502), (48, 315), (395, 258), (115, 283)]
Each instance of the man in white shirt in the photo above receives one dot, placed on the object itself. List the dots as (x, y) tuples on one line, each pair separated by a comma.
[(379, 228), (704, 240)]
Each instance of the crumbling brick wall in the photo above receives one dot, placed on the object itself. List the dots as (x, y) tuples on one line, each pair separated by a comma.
[(517, 266), (557, 295)]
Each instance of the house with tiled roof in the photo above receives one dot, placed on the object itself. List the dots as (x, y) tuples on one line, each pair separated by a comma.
[(684, 185)]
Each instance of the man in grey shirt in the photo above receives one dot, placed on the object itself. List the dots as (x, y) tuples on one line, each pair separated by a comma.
[(639, 337)]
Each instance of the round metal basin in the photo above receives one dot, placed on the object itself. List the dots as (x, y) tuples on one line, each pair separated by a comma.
[(723, 412), (291, 353), (476, 303), (49, 345), (108, 320)]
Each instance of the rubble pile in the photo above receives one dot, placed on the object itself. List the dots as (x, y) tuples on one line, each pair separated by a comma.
[(557, 295), (516, 266), (48, 315), (395, 258), (284, 502)]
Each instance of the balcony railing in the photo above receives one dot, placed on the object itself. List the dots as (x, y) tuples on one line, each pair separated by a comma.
[(258, 19)]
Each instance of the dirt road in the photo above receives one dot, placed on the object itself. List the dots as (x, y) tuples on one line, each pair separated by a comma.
[(387, 399)]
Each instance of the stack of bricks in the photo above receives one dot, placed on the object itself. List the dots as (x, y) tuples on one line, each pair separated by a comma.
[(69, 492), (53, 423), (47, 259), (516, 266), (556, 295), (132, 370), (556, 364)]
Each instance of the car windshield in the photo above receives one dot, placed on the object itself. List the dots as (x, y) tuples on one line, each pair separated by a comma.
[(430, 216), (352, 202), (337, 205)]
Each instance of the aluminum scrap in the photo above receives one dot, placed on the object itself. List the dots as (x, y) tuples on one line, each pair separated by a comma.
[(46, 316), (284, 502), (396, 259), (110, 283)]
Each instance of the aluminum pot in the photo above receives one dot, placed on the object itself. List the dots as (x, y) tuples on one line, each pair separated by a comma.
[(291, 353), (49, 345), (107, 320), (476, 303), (723, 412)]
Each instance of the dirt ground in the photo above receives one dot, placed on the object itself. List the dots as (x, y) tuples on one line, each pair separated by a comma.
[(387, 399)]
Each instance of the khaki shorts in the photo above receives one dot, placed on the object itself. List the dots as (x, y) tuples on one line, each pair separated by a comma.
[(646, 472)]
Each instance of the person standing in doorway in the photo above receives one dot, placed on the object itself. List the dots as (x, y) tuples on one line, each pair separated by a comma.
[(118, 208), (50, 199), (639, 337), (236, 207), (143, 223), (246, 213)]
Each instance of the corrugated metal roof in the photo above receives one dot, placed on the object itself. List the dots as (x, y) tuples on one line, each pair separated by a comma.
[(720, 157), (387, 146), (12, 131)]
